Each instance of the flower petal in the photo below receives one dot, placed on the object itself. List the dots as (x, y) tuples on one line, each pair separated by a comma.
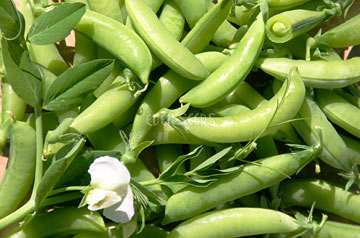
[(108, 173), (121, 212), (100, 198)]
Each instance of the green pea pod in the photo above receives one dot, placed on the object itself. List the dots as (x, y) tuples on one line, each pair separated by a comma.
[(172, 18), (251, 178), (19, 175), (118, 40), (108, 8), (236, 222), (232, 72), (12, 105), (258, 122), (327, 196), (317, 74), (336, 229), (231, 110), (314, 127), (168, 88), (344, 35), (45, 55), (265, 147), (240, 16), (288, 25), (285, 4), (245, 94), (192, 10), (339, 111), (62, 221), (106, 108), (162, 43), (353, 146), (155, 5), (85, 49), (167, 154), (204, 30)]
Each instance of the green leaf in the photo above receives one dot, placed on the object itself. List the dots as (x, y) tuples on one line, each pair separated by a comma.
[(11, 22), (212, 160), (56, 24), (72, 86), (56, 170), (152, 197), (183, 179), (171, 170), (22, 74)]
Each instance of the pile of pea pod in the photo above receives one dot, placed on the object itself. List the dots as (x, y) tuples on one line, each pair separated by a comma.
[(234, 118)]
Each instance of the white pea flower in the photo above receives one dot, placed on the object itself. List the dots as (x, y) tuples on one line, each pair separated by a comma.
[(110, 189)]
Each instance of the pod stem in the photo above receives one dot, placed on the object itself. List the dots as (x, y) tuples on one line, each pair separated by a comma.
[(39, 151), (26, 209)]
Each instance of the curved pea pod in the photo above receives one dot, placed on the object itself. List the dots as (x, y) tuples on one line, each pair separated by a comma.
[(248, 126), (353, 146), (106, 108), (62, 221), (343, 35), (290, 24), (19, 175), (314, 127), (336, 229), (165, 92), (108, 8), (240, 16), (285, 4), (172, 18), (328, 197), (231, 110), (339, 111), (203, 31), (192, 10), (223, 80), (192, 201), (12, 105), (118, 40), (162, 43), (317, 74), (224, 35)]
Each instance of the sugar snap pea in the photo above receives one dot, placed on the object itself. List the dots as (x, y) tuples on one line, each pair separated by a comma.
[(109, 8), (318, 74), (20, 173), (192, 11), (231, 110), (285, 4), (251, 178), (336, 229), (353, 146), (172, 18), (236, 222), (327, 196), (233, 71), (162, 43), (339, 111), (118, 40), (248, 126), (12, 105)]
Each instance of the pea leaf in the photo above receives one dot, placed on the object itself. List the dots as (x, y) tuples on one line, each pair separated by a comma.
[(183, 179), (56, 24), (22, 74), (212, 160), (72, 86), (11, 22), (62, 161)]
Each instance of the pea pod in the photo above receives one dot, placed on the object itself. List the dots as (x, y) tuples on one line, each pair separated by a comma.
[(162, 43), (248, 126), (204, 30), (327, 196), (336, 229), (19, 175), (251, 178), (85, 49), (172, 18), (285, 4), (353, 146), (231, 110), (236, 222), (317, 74), (109, 8), (118, 40), (240, 16), (62, 221), (12, 105), (192, 11), (339, 111), (168, 88), (290, 24), (232, 72)]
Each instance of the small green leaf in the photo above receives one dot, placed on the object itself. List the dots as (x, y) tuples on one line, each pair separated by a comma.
[(183, 179), (72, 86), (56, 24), (11, 22), (152, 197), (212, 160), (56, 170), (22, 74)]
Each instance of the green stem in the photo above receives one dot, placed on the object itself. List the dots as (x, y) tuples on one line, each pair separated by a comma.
[(66, 189), (150, 182), (18, 214), (39, 150)]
